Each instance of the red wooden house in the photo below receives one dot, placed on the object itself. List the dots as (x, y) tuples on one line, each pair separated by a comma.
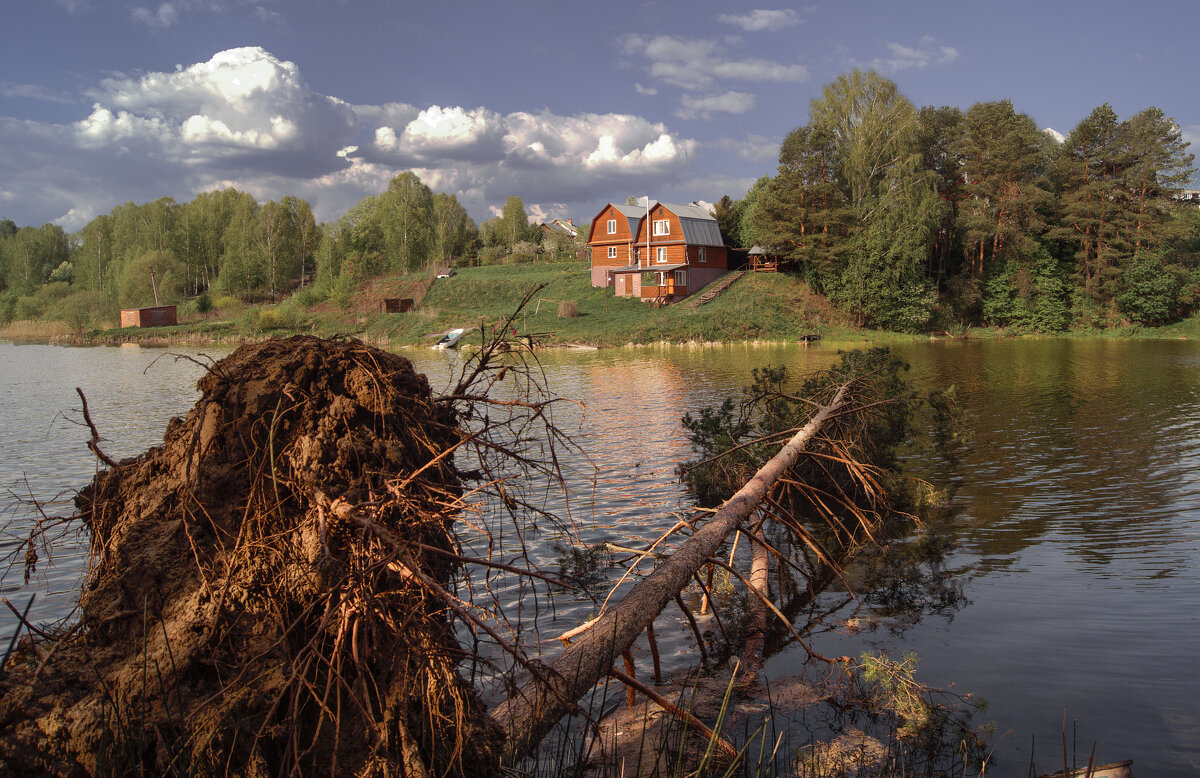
[(611, 240), (675, 250)]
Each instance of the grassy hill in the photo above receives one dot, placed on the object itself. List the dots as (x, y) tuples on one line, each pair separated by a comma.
[(764, 306), (757, 307)]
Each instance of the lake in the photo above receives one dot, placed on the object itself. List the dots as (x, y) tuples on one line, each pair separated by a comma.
[(1076, 520)]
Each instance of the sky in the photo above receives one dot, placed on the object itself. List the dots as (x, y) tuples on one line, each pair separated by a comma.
[(569, 105)]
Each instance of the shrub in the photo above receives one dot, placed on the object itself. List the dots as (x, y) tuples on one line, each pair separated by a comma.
[(1149, 292), (82, 310), (311, 295)]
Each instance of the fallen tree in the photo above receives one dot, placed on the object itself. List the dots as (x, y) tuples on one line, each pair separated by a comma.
[(862, 394)]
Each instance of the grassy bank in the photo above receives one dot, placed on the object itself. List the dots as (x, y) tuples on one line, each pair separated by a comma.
[(758, 307), (771, 307)]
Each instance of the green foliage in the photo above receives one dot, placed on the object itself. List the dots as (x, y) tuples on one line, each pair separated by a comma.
[(83, 310), (734, 439), (30, 255), (311, 295), (64, 272), (140, 277), (1148, 292), (893, 683), (1028, 298)]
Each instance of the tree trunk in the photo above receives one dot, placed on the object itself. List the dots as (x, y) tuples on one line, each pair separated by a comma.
[(534, 709)]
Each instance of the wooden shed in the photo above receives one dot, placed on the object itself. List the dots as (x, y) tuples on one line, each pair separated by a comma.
[(158, 316), (396, 305)]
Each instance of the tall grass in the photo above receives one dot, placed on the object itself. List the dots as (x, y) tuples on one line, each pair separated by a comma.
[(29, 329)]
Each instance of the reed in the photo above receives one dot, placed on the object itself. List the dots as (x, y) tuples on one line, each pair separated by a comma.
[(30, 329)]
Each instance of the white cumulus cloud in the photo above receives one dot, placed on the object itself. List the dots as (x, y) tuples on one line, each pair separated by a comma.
[(704, 107), (761, 19), (246, 118), (927, 53), (1053, 133), (242, 104)]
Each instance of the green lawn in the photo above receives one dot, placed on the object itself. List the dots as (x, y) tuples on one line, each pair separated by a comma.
[(758, 307)]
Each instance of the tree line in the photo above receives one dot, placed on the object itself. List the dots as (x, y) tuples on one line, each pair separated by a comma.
[(936, 218), (225, 243)]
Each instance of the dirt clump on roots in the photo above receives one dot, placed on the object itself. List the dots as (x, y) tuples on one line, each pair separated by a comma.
[(266, 592)]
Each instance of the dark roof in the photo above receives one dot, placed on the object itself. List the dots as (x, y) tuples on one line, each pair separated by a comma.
[(698, 224)]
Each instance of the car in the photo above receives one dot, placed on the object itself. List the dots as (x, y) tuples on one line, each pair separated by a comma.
[(446, 273)]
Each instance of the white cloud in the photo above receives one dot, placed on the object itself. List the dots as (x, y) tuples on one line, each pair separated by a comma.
[(1053, 133), (242, 104), (32, 92), (164, 16), (760, 19), (1191, 134), (645, 90), (751, 148), (705, 107), (169, 13), (708, 189), (927, 53), (696, 64), (445, 133), (247, 119)]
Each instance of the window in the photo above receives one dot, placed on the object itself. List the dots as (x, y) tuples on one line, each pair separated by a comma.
[(649, 279), (701, 258), (680, 278), (612, 226), (660, 254), (662, 227), (612, 252)]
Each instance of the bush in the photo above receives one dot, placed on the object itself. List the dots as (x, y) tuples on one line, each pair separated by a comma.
[(82, 310), (311, 295), (1149, 292)]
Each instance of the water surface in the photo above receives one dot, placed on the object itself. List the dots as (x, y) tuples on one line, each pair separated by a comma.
[(1077, 521)]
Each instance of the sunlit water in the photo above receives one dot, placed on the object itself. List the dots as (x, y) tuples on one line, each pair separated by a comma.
[(1078, 522)]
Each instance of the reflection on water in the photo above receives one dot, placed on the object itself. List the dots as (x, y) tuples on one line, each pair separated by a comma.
[(131, 393), (1077, 528)]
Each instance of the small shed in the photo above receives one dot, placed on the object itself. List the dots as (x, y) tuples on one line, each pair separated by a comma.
[(396, 305), (158, 316)]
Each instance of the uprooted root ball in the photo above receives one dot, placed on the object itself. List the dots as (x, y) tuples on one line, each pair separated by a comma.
[(266, 596)]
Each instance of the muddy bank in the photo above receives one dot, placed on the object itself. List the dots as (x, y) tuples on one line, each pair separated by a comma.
[(264, 593)]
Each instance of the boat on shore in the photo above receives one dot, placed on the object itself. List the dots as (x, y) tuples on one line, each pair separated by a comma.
[(450, 339), (1112, 770)]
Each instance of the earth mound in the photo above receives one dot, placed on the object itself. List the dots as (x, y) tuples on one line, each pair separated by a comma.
[(266, 594)]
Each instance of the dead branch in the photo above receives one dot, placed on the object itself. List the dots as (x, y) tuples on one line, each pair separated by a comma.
[(94, 443), (530, 713)]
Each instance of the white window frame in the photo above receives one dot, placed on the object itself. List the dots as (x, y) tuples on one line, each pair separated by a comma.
[(702, 257), (612, 226), (662, 227), (612, 252), (681, 278), (660, 254)]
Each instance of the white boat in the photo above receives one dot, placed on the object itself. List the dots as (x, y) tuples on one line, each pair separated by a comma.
[(450, 339)]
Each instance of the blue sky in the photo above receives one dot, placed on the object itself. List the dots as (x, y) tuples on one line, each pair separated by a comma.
[(568, 105)]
